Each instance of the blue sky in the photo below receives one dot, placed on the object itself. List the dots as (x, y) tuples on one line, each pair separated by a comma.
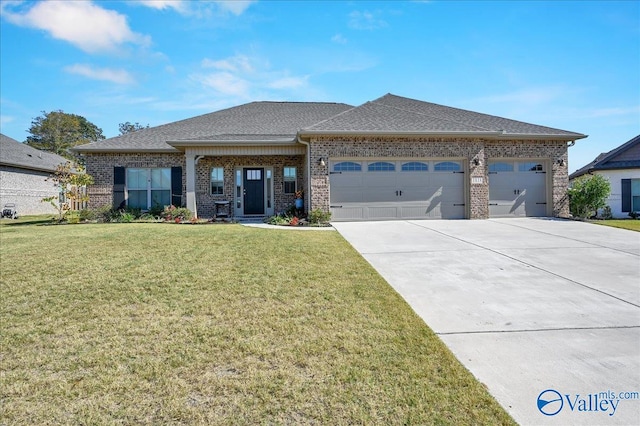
[(569, 65)]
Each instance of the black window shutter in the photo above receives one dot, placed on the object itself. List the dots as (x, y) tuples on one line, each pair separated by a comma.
[(626, 195), (176, 186), (118, 187)]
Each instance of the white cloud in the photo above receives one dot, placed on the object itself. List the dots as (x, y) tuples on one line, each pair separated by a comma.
[(365, 21), (177, 5), (235, 63), (246, 78), (81, 23), (289, 83), (237, 7), (227, 84), (200, 8), (118, 76), (338, 38)]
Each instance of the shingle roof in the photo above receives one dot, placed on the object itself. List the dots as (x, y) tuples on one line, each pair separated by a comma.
[(255, 121), (626, 156), (16, 154), (281, 122), (395, 114)]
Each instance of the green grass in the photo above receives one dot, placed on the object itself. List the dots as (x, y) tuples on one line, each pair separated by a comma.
[(630, 224), (215, 324)]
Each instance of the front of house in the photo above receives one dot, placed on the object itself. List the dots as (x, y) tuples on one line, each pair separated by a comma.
[(391, 158)]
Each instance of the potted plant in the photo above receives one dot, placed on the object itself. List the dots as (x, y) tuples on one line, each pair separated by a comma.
[(299, 195)]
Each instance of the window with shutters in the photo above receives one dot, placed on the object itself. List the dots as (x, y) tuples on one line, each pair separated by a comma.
[(635, 195)]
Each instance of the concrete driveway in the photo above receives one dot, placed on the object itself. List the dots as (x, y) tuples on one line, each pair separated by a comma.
[(527, 305)]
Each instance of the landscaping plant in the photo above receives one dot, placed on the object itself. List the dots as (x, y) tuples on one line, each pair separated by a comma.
[(587, 194)]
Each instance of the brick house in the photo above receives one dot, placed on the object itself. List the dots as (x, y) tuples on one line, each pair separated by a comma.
[(621, 167), (24, 173), (389, 158)]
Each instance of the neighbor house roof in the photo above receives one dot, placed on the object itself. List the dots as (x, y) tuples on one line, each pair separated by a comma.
[(255, 122), (16, 154), (397, 115), (626, 156)]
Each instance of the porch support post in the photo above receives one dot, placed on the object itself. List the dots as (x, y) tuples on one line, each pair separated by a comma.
[(191, 183)]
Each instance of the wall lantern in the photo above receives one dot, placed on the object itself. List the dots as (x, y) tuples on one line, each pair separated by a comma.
[(321, 162), (476, 161)]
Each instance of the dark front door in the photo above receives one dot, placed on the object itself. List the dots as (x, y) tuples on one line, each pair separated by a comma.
[(253, 183)]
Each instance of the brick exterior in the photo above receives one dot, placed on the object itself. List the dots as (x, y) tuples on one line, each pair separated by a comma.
[(100, 166), (327, 147), (282, 201), (26, 189)]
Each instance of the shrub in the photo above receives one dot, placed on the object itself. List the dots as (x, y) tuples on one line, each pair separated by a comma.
[(279, 219), (87, 215), (319, 217), (588, 194), (606, 213), (156, 210), (171, 213)]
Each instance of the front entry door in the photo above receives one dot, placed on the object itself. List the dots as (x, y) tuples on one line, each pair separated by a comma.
[(253, 197)]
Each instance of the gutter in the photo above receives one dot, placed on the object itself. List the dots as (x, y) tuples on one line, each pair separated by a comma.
[(308, 168), (500, 134)]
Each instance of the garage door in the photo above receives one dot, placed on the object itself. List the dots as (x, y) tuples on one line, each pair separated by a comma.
[(396, 189), (517, 188)]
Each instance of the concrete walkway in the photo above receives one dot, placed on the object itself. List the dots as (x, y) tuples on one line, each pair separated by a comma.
[(527, 305)]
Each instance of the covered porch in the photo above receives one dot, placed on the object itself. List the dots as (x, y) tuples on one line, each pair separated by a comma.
[(255, 181)]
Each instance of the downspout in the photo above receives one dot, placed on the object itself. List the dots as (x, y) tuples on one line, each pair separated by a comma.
[(307, 172)]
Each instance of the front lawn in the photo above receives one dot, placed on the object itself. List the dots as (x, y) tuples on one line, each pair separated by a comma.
[(215, 324), (630, 224)]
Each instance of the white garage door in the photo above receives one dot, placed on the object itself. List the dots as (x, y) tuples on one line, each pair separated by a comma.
[(396, 189), (517, 188)]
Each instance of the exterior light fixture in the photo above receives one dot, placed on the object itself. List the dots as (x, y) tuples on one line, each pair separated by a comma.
[(321, 162), (561, 162), (476, 162)]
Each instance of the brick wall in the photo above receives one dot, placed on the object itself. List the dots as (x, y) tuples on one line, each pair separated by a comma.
[(466, 149), (26, 189), (100, 166), (282, 201)]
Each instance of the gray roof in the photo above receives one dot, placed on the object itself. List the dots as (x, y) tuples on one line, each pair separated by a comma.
[(281, 122), (17, 154), (395, 114), (254, 122), (626, 156)]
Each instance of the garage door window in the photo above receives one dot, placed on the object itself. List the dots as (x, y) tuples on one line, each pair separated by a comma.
[(447, 166), (382, 166), (347, 166), (415, 166), (500, 167), (528, 166)]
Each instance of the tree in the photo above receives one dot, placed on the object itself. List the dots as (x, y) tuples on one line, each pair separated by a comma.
[(57, 131), (587, 194), (130, 128), (71, 183)]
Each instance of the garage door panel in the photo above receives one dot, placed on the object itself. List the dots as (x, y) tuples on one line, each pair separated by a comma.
[(521, 192), (412, 193)]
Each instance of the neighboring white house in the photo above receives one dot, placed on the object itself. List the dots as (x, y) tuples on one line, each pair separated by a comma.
[(23, 176), (622, 167)]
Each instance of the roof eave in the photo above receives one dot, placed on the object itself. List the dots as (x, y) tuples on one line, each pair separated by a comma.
[(201, 143), (486, 134), (25, 167), (123, 150)]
